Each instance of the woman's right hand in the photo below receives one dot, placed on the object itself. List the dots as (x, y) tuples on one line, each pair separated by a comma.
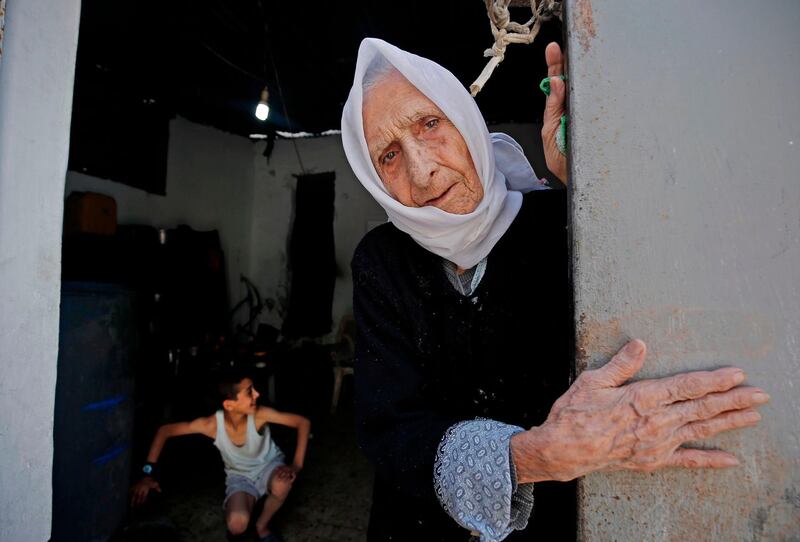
[(141, 489)]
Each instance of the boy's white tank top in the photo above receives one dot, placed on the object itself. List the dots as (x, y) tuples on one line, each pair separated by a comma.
[(249, 459)]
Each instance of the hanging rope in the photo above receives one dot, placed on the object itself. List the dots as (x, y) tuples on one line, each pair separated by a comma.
[(506, 31)]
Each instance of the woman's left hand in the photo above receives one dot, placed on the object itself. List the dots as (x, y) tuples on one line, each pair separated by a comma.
[(553, 110)]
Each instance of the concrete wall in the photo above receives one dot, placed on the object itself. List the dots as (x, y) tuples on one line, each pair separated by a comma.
[(685, 147), (36, 79), (209, 187)]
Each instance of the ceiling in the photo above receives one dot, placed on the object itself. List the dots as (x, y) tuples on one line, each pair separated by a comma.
[(207, 60)]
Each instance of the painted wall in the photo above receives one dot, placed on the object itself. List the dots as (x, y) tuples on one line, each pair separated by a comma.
[(273, 216), (209, 187), (36, 79), (221, 181), (685, 145)]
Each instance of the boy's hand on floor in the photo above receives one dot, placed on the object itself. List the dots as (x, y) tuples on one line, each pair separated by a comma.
[(141, 489), (286, 472)]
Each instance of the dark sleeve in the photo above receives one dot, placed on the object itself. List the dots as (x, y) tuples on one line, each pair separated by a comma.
[(397, 429)]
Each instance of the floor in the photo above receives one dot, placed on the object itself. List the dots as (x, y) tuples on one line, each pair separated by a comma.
[(329, 502)]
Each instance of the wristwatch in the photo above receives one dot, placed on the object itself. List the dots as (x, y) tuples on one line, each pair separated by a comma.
[(149, 468)]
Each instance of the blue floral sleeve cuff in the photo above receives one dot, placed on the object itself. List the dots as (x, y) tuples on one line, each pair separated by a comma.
[(475, 481)]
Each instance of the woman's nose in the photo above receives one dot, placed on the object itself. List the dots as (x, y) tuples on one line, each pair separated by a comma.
[(422, 166)]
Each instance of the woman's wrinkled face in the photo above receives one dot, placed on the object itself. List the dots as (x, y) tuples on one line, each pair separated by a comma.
[(418, 153)]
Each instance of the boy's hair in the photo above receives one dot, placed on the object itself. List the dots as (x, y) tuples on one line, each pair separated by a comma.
[(228, 382)]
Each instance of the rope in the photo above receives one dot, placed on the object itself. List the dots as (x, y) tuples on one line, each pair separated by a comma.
[(506, 31)]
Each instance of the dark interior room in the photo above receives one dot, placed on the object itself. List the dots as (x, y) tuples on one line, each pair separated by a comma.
[(199, 239)]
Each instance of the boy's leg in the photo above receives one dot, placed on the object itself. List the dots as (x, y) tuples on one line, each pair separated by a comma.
[(280, 484), (237, 512)]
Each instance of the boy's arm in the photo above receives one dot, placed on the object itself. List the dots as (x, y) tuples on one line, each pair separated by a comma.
[(204, 426), (301, 423)]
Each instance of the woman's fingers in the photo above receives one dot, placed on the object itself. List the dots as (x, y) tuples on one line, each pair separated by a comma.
[(714, 404), (554, 59), (727, 421), (687, 386), (622, 367), (553, 112), (690, 458)]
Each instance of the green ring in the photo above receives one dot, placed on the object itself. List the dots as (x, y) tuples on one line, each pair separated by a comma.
[(545, 84)]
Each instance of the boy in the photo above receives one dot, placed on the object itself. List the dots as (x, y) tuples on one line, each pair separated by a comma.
[(254, 465)]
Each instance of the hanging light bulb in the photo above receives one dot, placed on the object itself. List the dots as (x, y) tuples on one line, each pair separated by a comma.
[(262, 109)]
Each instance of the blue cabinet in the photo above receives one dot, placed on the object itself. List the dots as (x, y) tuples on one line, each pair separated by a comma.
[(94, 411)]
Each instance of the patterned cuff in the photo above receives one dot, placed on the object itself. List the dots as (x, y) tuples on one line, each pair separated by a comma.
[(521, 499), (475, 481)]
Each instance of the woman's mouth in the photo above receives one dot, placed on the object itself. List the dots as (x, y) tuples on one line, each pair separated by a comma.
[(441, 197)]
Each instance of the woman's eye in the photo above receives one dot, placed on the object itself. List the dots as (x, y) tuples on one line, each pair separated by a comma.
[(433, 123), (388, 157)]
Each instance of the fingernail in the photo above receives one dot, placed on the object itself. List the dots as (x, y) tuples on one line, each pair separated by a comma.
[(731, 462), (633, 348), (760, 397), (739, 377), (752, 416)]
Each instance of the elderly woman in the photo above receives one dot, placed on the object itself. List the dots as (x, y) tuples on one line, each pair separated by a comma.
[(462, 304)]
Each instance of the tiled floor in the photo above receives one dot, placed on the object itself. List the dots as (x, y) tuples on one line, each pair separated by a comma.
[(329, 502)]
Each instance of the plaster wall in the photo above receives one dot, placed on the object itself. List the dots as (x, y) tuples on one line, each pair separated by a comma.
[(209, 187), (685, 204), (36, 80)]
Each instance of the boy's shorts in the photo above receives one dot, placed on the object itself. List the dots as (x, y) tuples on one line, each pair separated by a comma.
[(234, 483)]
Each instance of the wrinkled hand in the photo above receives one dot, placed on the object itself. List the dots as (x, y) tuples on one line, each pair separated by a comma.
[(553, 110), (141, 490), (601, 424)]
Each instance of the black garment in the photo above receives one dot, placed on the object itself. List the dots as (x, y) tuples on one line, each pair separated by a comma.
[(428, 357), (312, 257)]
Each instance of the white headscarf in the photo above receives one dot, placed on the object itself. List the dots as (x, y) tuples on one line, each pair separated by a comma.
[(501, 165)]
